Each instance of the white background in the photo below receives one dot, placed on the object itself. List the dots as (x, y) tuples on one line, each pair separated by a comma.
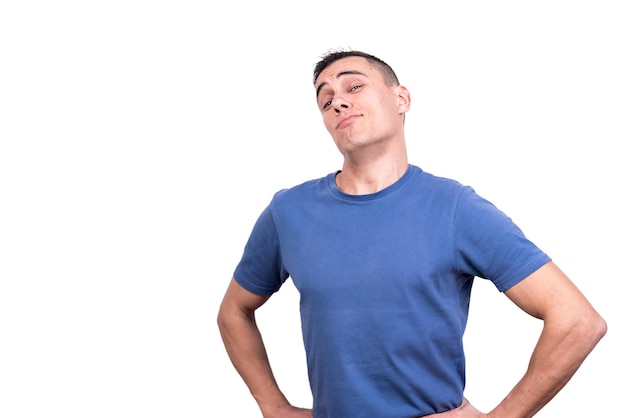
[(139, 141)]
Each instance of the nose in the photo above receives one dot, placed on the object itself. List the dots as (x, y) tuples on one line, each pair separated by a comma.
[(340, 104)]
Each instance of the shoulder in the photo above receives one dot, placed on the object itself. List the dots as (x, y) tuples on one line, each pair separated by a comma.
[(439, 186), (303, 191)]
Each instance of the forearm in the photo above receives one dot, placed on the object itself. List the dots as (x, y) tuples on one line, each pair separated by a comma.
[(246, 349), (559, 353)]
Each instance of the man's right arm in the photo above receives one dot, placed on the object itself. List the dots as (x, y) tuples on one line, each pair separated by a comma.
[(244, 345)]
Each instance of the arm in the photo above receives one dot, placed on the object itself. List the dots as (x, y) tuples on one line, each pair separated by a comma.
[(571, 329), (246, 350)]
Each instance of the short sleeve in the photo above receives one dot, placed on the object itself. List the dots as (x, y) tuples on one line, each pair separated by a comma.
[(260, 269), (490, 245)]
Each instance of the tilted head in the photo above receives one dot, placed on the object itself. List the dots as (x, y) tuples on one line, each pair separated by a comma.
[(361, 101)]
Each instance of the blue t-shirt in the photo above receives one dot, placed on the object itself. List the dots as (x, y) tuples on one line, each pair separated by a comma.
[(384, 282)]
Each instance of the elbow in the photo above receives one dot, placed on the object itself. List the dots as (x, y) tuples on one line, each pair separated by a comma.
[(222, 318), (220, 321), (591, 329), (600, 327), (231, 316), (219, 318)]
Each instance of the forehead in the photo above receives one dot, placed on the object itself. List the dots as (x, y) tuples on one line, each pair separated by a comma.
[(345, 66)]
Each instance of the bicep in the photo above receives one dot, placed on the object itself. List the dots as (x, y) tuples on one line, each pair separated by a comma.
[(239, 298), (548, 292)]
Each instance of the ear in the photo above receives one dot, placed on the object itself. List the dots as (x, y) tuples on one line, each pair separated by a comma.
[(404, 99)]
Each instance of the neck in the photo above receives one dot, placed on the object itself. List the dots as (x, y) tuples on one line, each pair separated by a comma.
[(366, 177)]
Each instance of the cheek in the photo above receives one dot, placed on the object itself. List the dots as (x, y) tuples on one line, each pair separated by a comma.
[(328, 121)]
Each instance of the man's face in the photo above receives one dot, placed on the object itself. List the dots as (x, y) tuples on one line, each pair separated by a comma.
[(357, 106)]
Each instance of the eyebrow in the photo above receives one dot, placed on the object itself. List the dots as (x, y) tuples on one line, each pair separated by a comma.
[(352, 72)]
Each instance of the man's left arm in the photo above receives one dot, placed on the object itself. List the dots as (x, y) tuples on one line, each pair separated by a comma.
[(571, 329)]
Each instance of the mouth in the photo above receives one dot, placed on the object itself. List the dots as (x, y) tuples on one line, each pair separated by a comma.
[(346, 120)]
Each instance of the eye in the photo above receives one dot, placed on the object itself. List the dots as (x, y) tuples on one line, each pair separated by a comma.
[(328, 103), (358, 86)]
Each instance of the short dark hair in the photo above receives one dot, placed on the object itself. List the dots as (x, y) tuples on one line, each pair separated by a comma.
[(334, 55)]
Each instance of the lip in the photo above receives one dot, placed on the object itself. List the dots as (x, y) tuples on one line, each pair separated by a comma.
[(345, 120)]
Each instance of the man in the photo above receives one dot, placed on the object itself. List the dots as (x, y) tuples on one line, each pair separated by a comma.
[(384, 256)]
